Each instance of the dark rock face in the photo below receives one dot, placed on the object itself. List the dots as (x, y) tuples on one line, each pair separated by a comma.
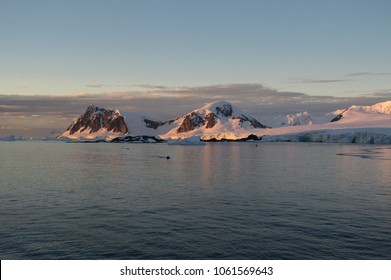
[(137, 139), (340, 116), (156, 124), (210, 120), (250, 137), (153, 124), (337, 118), (190, 122), (225, 110), (254, 123), (96, 118)]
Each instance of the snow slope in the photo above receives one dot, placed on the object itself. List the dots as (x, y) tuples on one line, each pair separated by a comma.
[(101, 134), (146, 124)]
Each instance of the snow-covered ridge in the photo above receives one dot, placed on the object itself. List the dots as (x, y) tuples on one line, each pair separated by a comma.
[(217, 120), (299, 119), (382, 108), (303, 118)]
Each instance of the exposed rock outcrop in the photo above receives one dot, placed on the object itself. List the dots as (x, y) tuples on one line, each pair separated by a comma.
[(190, 122), (96, 118)]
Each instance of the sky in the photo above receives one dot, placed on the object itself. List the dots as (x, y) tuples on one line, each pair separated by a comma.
[(170, 57)]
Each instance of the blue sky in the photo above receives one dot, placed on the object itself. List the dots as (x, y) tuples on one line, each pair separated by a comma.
[(318, 48)]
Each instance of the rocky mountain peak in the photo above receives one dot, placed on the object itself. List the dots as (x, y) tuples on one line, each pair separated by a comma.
[(95, 118), (221, 112), (224, 109)]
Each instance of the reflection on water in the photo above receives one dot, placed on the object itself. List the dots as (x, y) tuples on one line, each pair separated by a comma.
[(218, 201), (378, 153)]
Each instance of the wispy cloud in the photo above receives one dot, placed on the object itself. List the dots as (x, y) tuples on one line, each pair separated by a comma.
[(152, 87), (345, 78), (383, 93), (319, 81), (358, 74), (95, 86)]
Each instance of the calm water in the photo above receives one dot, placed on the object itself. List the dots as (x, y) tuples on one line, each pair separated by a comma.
[(218, 201)]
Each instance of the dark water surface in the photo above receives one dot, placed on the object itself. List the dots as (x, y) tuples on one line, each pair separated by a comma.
[(218, 201)]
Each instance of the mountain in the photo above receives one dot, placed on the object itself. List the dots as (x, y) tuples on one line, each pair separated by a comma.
[(379, 108), (218, 120), (306, 118), (298, 119), (303, 118), (355, 124), (97, 123)]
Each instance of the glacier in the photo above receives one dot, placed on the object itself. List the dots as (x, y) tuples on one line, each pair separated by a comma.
[(359, 136)]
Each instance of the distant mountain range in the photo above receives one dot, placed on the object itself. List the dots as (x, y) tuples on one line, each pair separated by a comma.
[(355, 124), (223, 121), (218, 120)]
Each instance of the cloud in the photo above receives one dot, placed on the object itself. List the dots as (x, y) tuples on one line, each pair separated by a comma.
[(79, 94), (357, 74), (319, 81), (383, 93), (95, 86), (151, 87), (340, 80), (57, 112)]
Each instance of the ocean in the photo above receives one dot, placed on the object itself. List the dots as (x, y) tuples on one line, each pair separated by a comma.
[(218, 201)]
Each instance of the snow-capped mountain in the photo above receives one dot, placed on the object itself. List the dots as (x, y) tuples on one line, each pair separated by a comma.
[(355, 124), (217, 120), (303, 118), (379, 108), (97, 123), (299, 119), (306, 118)]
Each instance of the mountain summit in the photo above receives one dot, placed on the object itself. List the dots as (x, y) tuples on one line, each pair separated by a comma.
[(378, 108), (219, 120), (97, 121)]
